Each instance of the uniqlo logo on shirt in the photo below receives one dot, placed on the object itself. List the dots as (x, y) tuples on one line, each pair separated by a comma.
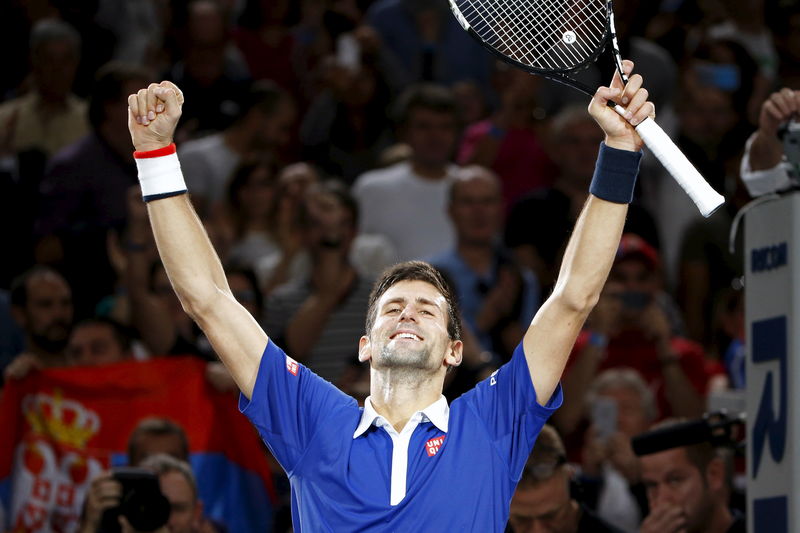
[(292, 366), (432, 446)]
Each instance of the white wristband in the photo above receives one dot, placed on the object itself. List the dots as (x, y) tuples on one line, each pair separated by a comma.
[(159, 175)]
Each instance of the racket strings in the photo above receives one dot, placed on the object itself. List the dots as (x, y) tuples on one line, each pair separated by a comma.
[(544, 34)]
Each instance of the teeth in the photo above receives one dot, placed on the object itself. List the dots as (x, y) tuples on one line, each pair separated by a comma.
[(407, 336)]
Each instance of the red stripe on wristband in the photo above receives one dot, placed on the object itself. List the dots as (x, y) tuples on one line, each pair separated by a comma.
[(159, 152)]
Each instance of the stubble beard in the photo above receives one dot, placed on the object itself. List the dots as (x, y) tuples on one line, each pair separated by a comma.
[(406, 364)]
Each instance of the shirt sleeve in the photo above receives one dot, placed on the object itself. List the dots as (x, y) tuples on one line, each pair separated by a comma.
[(506, 403), (289, 403), (761, 182)]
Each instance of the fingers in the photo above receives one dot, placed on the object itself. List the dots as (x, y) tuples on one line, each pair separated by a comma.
[(616, 80)]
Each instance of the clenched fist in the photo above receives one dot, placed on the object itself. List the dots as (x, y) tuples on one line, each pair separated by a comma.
[(153, 114)]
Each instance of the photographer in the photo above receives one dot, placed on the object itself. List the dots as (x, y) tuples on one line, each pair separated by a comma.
[(634, 325), (688, 489), (766, 165)]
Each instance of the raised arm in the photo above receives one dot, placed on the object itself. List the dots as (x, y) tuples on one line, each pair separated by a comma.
[(189, 258), (595, 238)]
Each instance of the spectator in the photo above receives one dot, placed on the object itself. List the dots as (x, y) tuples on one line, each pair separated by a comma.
[(249, 207), (611, 474), (427, 41), (634, 325), (98, 341), (41, 303), (572, 142), (415, 192), (318, 319), (153, 436), (12, 338), (212, 72), (688, 488), (347, 124), (83, 194), (263, 126), (50, 116), (542, 501), (497, 298), (765, 166), (509, 142)]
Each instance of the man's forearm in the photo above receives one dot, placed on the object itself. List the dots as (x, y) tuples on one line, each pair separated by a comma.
[(766, 151), (189, 258)]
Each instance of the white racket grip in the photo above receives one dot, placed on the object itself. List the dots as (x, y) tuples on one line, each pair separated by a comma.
[(704, 196)]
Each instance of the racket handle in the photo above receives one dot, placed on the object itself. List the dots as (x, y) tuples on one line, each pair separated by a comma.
[(702, 194)]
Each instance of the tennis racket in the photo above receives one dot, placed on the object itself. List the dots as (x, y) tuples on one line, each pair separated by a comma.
[(558, 38)]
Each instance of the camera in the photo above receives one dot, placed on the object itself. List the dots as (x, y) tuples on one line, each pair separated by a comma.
[(142, 503), (791, 148), (635, 300)]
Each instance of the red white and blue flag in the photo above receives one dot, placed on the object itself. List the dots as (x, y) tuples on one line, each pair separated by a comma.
[(61, 427)]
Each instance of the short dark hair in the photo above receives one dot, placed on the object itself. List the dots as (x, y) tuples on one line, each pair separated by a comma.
[(339, 190), (109, 86), (424, 96), (158, 427), (265, 96), (122, 334), (19, 286), (416, 271), (700, 455), (547, 456), (162, 464)]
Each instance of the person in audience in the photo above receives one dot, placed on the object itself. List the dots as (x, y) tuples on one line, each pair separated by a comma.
[(634, 325), (415, 191), (317, 318), (688, 489), (542, 501), (263, 127), (49, 117), (553, 211), (41, 303), (610, 477), (84, 192), (497, 298), (98, 341)]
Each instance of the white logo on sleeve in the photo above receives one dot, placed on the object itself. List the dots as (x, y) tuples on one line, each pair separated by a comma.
[(292, 366), (493, 380)]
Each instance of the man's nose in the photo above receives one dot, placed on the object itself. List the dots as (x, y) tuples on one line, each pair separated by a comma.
[(408, 313)]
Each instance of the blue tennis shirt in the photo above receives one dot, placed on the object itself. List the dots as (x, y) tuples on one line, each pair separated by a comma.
[(450, 469)]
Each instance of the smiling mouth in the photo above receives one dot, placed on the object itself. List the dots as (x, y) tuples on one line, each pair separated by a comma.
[(406, 335)]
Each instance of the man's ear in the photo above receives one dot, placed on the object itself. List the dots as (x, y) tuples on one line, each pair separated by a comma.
[(455, 354), (364, 349)]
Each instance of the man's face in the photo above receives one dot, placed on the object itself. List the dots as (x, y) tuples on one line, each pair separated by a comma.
[(544, 508), (331, 226), (54, 67), (276, 130), (672, 481), (185, 513), (431, 136), (631, 416), (410, 329), (476, 209), (47, 315), (635, 283), (94, 344)]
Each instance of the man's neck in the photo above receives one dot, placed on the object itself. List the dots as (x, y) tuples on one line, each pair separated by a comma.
[(396, 394), (238, 139), (46, 359), (428, 171), (478, 256)]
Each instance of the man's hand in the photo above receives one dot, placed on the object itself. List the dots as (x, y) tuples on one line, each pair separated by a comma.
[(620, 132), (665, 519), (21, 366), (777, 109), (104, 493), (153, 114)]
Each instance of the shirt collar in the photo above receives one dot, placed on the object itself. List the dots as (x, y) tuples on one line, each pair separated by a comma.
[(438, 413)]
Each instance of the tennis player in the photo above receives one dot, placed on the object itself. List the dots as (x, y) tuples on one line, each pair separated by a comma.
[(407, 461)]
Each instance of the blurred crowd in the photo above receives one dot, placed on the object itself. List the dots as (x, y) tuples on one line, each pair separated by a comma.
[(324, 140)]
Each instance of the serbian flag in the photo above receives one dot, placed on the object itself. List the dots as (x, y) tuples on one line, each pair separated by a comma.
[(61, 427)]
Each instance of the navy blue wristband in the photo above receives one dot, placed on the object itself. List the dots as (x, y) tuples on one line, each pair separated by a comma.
[(615, 174), (163, 195)]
